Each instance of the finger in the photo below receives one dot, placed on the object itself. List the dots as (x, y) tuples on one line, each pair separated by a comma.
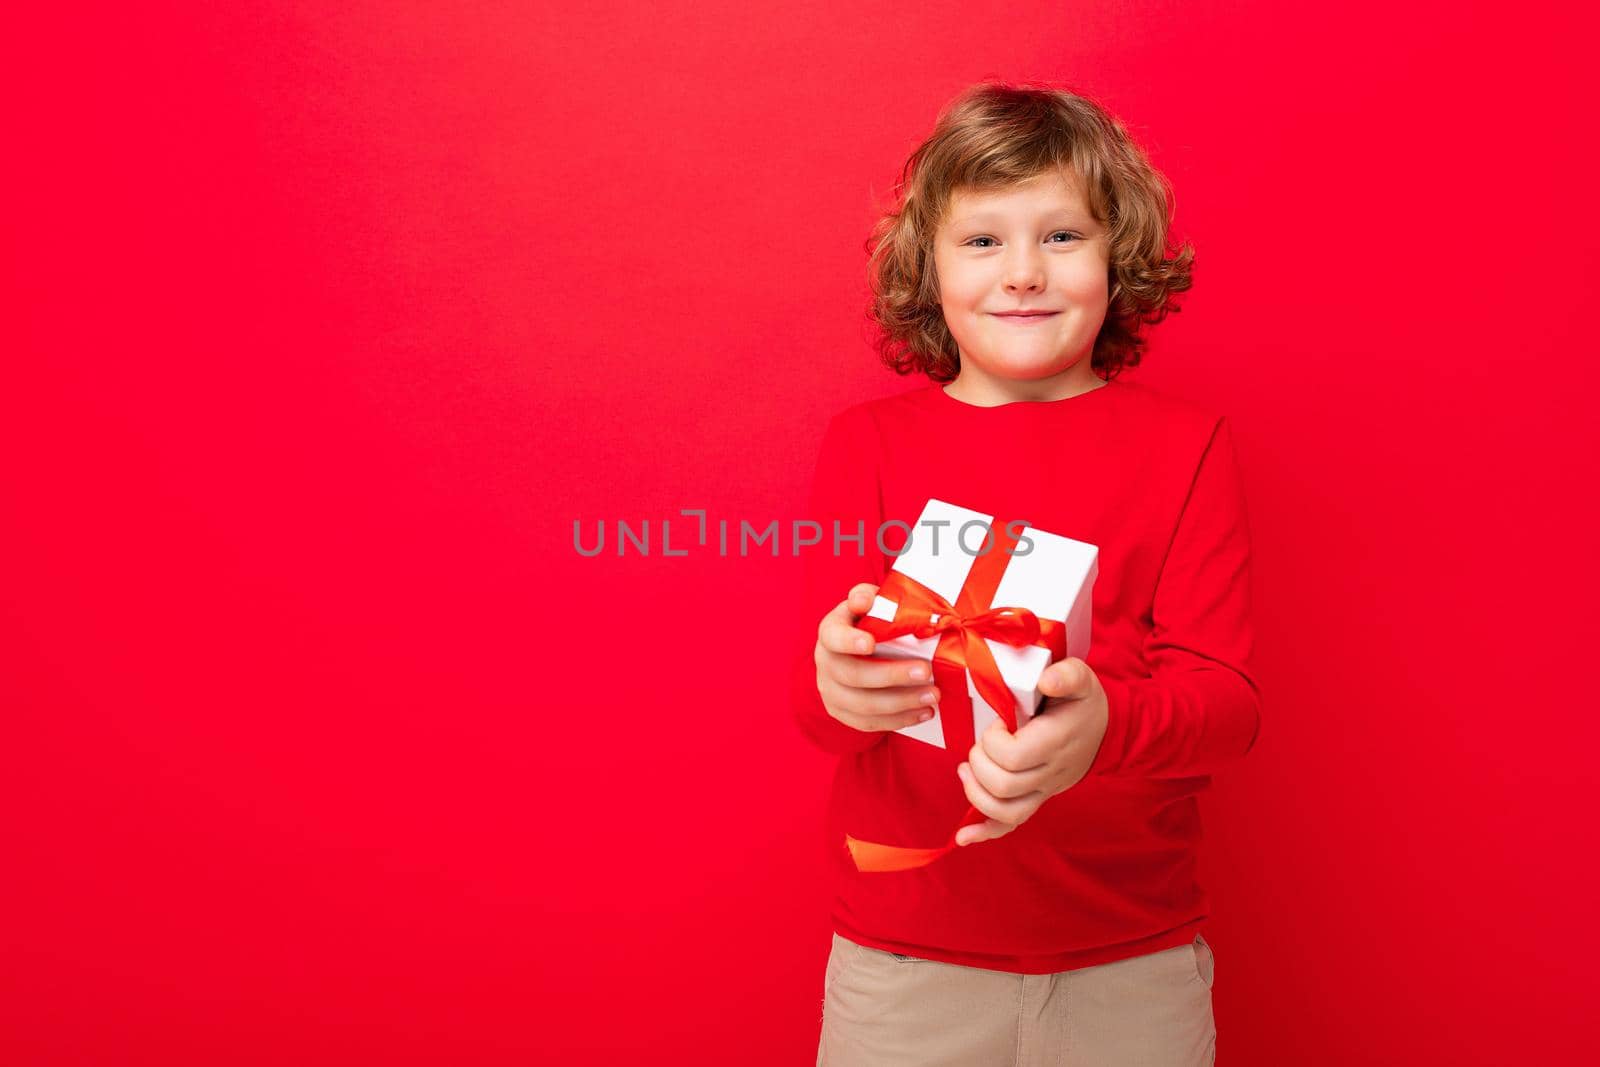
[(1002, 784), (874, 723), (902, 706), (984, 831), (1010, 812), (876, 672), (1069, 678), (837, 632), (1018, 752), (878, 723), (990, 827)]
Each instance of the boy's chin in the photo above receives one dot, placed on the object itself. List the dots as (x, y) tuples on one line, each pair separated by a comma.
[(1024, 371)]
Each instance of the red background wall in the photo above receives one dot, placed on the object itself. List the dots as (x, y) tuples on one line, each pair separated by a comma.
[(325, 322)]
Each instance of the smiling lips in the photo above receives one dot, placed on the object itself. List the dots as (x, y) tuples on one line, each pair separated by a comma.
[(1025, 316)]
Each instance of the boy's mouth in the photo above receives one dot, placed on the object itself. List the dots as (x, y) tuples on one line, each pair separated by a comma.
[(1025, 316)]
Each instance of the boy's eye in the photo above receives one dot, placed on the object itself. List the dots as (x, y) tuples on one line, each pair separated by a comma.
[(1058, 233)]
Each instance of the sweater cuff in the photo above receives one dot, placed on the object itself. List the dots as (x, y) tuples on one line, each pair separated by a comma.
[(1177, 727), (820, 728), (833, 736), (1118, 715)]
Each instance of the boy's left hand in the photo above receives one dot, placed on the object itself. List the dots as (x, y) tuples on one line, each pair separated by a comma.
[(1008, 775)]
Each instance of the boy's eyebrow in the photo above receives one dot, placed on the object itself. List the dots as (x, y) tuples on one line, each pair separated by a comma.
[(985, 216)]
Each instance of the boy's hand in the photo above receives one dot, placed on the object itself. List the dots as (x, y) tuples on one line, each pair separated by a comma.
[(860, 691), (1008, 775)]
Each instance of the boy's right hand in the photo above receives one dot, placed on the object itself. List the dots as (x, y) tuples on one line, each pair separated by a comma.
[(863, 692)]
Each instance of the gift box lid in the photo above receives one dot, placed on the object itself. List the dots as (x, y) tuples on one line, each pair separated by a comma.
[(1044, 575)]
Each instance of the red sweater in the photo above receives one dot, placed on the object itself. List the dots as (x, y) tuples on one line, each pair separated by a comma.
[(1106, 869)]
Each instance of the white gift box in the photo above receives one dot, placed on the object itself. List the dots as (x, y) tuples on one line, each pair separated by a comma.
[(1055, 580)]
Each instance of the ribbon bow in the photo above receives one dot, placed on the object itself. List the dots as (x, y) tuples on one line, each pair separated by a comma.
[(964, 629)]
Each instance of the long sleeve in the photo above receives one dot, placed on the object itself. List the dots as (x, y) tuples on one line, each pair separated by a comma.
[(843, 490), (1200, 709)]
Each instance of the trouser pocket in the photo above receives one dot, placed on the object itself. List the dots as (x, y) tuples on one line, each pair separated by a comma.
[(1205, 963)]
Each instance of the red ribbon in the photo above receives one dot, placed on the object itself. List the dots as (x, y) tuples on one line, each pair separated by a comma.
[(962, 629)]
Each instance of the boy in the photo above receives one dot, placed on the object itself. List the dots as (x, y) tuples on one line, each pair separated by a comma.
[(1029, 246)]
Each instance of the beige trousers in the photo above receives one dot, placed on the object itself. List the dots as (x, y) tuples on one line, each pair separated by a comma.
[(881, 1008)]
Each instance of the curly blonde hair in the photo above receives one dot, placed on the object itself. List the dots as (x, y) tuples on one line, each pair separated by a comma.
[(996, 135)]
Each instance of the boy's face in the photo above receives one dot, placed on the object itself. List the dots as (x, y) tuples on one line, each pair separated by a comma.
[(1033, 246)]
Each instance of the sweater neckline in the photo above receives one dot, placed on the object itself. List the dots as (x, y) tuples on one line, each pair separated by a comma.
[(945, 400)]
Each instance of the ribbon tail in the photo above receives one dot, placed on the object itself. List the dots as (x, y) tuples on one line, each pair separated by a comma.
[(989, 682), (871, 857)]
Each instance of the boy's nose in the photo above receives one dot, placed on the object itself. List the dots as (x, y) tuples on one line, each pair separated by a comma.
[(1024, 273)]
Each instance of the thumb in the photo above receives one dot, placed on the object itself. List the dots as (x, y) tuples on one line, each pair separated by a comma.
[(1066, 678), (861, 597)]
